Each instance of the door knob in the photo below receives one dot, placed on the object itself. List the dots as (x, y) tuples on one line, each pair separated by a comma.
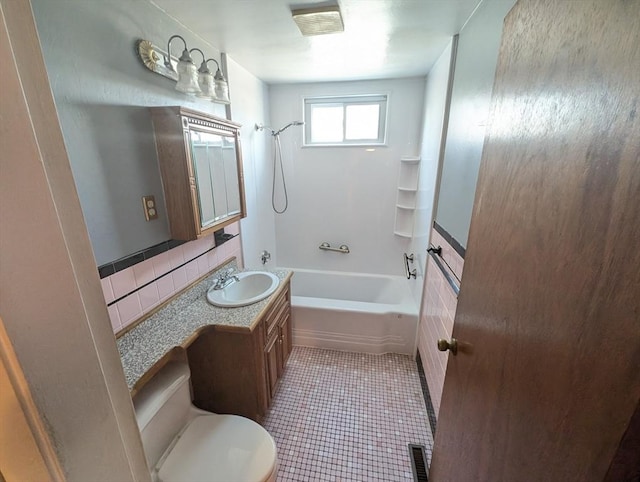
[(452, 346)]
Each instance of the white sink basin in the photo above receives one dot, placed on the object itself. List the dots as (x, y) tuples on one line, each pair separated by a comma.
[(252, 287)]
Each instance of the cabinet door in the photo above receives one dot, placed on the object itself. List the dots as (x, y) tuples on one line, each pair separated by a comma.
[(284, 343), (271, 356)]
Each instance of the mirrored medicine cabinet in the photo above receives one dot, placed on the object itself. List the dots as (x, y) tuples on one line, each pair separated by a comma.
[(201, 168)]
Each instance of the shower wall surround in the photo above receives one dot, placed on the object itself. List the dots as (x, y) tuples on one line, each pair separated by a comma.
[(345, 195)]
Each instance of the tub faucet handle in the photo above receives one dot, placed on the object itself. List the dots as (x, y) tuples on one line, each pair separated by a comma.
[(265, 256)]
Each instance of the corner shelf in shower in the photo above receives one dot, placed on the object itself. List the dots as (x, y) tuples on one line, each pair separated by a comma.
[(406, 198)]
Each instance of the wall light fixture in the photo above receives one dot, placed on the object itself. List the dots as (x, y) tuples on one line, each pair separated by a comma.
[(189, 79)]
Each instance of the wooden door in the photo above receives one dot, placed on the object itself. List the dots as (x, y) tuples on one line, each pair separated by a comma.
[(547, 375)]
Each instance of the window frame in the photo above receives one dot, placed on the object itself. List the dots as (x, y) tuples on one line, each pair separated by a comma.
[(381, 99)]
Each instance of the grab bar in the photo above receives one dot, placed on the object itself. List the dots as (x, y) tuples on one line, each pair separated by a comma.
[(436, 254), (411, 273), (342, 249)]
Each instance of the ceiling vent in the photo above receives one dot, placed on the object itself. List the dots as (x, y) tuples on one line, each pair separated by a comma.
[(318, 20)]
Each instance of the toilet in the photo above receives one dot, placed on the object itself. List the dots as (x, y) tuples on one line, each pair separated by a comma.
[(185, 444)]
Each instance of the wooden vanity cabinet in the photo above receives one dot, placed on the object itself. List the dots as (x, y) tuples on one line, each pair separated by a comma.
[(278, 345), (201, 168), (236, 371)]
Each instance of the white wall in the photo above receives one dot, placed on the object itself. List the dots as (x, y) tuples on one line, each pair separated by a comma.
[(250, 106), (345, 195), (433, 124)]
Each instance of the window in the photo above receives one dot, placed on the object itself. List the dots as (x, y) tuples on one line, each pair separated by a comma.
[(353, 120)]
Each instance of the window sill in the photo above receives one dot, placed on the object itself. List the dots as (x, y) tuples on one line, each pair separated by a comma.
[(304, 146)]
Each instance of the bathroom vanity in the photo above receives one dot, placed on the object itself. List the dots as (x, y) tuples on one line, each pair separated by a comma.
[(236, 355), (237, 370)]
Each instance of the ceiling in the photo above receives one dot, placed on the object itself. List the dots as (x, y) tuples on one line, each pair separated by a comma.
[(382, 38)]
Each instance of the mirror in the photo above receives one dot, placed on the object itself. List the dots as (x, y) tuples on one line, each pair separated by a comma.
[(102, 97), (476, 60), (216, 173)]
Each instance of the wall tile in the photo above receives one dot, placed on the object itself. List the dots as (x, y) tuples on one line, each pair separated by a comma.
[(206, 243), (191, 250), (203, 265), (149, 297), (240, 258), (176, 257), (192, 271), (115, 318), (227, 249), (212, 258), (165, 287), (179, 278), (238, 255), (436, 320), (123, 282), (161, 264), (224, 250), (129, 309), (144, 272), (233, 228), (107, 290)]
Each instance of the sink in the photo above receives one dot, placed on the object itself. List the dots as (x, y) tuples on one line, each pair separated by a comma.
[(252, 287)]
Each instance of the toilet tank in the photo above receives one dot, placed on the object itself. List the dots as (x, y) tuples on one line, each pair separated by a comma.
[(162, 409)]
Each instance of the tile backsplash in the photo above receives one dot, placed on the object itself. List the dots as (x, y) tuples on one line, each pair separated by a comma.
[(135, 291), (437, 316)]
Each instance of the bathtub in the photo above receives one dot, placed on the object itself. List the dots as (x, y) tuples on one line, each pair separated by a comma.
[(353, 312)]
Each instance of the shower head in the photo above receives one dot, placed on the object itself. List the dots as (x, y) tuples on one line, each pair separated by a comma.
[(294, 123)]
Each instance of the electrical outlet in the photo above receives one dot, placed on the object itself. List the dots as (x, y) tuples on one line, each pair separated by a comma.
[(150, 209)]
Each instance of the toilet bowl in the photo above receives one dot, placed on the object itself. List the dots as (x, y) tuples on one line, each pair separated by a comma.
[(185, 444)]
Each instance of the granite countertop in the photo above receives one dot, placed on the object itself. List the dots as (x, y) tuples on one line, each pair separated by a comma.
[(142, 347)]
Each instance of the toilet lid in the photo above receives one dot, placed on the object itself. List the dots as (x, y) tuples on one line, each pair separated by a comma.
[(220, 448)]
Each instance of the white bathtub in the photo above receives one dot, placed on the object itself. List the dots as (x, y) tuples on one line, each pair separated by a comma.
[(353, 312)]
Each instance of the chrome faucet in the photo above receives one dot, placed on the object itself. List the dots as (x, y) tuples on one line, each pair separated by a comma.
[(224, 279)]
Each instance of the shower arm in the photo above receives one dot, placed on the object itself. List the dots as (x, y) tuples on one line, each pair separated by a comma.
[(261, 127)]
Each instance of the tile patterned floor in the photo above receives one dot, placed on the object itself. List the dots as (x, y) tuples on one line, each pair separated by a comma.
[(348, 417)]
